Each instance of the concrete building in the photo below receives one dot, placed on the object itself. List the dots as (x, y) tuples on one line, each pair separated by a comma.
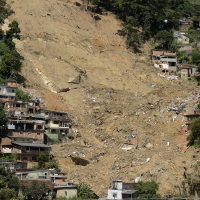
[(58, 125), (8, 91), (57, 182), (27, 153), (120, 191), (165, 60)]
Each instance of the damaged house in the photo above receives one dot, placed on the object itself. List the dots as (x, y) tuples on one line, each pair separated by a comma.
[(164, 60), (186, 70)]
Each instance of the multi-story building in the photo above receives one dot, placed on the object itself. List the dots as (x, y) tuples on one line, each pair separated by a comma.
[(8, 91), (120, 190), (30, 128), (60, 188)]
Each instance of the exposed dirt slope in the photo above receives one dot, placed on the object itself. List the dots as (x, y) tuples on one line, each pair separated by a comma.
[(119, 93)]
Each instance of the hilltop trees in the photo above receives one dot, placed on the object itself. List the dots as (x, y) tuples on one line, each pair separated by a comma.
[(151, 17), (10, 59)]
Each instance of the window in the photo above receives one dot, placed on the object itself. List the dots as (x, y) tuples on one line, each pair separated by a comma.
[(39, 126)]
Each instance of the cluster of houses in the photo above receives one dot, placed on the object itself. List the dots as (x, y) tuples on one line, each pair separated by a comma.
[(167, 61), (29, 134)]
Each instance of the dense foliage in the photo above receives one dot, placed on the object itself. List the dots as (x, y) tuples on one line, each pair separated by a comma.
[(9, 185), (194, 137), (3, 122), (22, 96), (4, 10), (36, 191), (148, 190), (10, 59), (144, 19), (85, 192)]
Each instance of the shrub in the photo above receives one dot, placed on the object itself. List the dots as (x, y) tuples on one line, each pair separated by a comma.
[(85, 192), (7, 194), (3, 122), (148, 189), (22, 96), (53, 164), (36, 191), (194, 137), (196, 57), (42, 159)]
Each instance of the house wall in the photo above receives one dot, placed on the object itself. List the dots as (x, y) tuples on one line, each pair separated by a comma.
[(52, 124), (6, 91), (33, 175), (115, 194), (6, 150), (166, 59), (66, 192)]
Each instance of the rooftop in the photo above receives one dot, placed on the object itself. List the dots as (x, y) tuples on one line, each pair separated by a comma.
[(162, 53), (24, 144)]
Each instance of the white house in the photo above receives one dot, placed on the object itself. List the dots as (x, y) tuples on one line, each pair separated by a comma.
[(120, 191)]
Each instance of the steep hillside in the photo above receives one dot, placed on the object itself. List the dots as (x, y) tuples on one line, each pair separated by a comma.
[(120, 94)]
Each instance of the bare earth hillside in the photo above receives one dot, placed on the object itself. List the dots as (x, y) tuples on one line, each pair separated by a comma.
[(119, 95)]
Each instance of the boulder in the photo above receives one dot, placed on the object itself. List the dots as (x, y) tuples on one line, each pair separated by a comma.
[(64, 90), (75, 80)]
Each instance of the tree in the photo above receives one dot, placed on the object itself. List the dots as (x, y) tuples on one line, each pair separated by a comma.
[(42, 159), (22, 96), (149, 16), (196, 57), (194, 137), (164, 38), (7, 194), (53, 164), (3, 122), (148, 189), (36, 191), (13, 182), (85, 192), (14, 31)]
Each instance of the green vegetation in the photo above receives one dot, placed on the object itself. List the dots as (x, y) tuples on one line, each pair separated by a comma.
[(22, 96), (9, 185), (148, 190), (3, 122), (5, 11), (85, 192), (196, 57), (194, 137), (146, 19), (44, 162), (10, 59), (36, 191)]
